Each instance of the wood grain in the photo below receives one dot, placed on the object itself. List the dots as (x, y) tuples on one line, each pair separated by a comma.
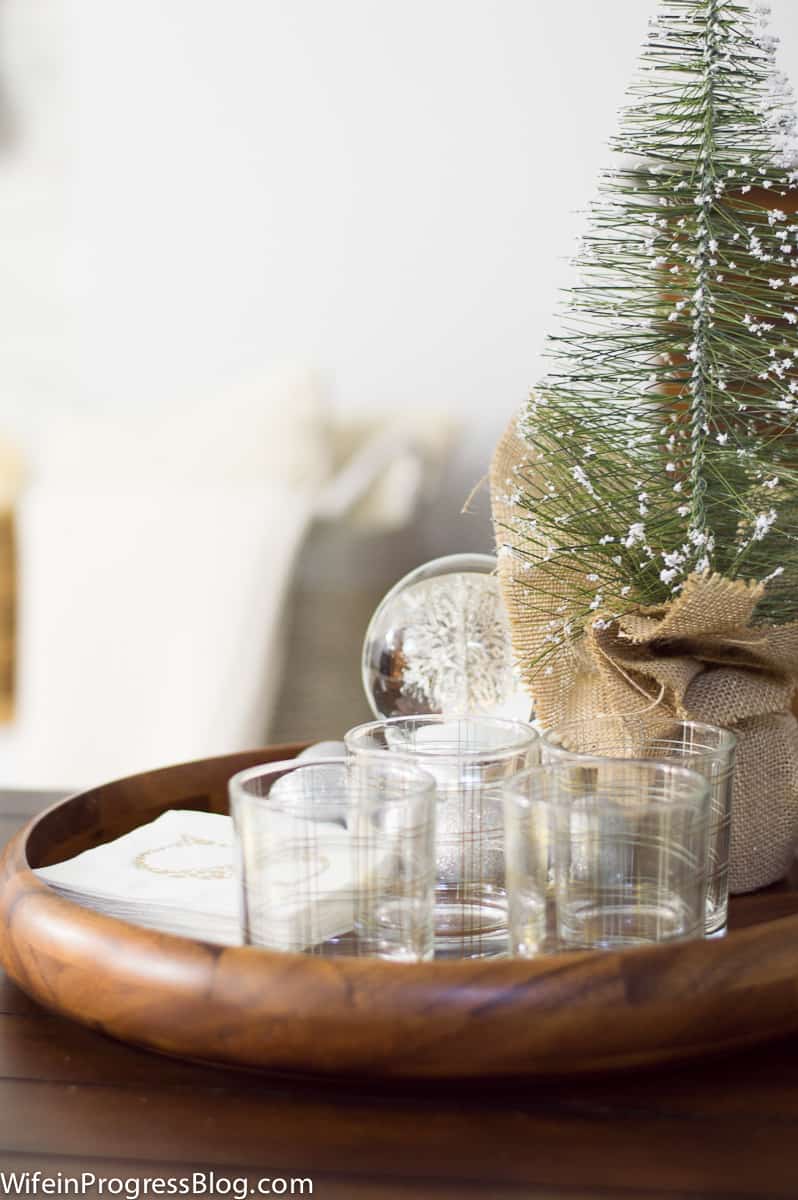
[(621, 1135), (723, 1128), (248, 1007), (327, 1186)]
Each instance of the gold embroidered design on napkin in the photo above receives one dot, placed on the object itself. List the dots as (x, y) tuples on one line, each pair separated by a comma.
[(186, 841)]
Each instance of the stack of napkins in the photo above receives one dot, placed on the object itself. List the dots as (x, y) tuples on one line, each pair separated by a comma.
[(176, 875)]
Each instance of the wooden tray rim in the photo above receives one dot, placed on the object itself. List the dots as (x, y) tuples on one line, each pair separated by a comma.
[(249, 1007)]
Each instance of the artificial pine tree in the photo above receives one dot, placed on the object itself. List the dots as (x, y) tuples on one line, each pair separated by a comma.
[(646, 501)]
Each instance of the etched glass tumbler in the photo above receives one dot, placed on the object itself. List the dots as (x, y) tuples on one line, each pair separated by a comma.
[(707, 749), (336, 858), (604, 854), (470, 759)]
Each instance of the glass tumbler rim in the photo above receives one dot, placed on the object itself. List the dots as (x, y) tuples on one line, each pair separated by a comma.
[(506, 749), (698, 797), (237, 783), (727, 743)]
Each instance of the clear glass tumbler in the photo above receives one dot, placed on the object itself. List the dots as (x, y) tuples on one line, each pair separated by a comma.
[(605, 854), (336, 857), (470, 759), (707, 749)]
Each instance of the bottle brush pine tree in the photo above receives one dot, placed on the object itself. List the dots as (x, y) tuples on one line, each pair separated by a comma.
[(665, 433), (646, 499)]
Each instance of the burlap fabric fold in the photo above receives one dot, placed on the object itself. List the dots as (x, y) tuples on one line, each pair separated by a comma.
[(698, 657)]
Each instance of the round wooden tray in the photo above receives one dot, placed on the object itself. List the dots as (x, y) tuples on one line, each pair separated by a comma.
[(253, 1008)]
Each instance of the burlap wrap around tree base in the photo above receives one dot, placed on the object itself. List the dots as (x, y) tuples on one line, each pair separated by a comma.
[(698, 658)]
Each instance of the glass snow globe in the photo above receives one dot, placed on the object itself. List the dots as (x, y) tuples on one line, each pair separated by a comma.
[(439, 642)]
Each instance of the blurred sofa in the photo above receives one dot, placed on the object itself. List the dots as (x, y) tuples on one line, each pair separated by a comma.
[(154, 559)]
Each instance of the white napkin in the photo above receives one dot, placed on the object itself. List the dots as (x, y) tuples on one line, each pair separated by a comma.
[(176, 875)]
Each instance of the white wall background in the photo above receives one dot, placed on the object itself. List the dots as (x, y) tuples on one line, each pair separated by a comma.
[(387, 192)]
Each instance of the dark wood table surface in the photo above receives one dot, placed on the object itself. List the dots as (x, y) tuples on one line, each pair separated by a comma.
[(73, 1101)]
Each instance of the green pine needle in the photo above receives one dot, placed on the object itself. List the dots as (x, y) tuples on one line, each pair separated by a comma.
[(666, 429)]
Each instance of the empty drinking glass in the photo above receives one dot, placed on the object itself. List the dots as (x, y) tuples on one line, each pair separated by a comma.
[(703, 748), (604, 854), (470, 758), (336, 857)]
